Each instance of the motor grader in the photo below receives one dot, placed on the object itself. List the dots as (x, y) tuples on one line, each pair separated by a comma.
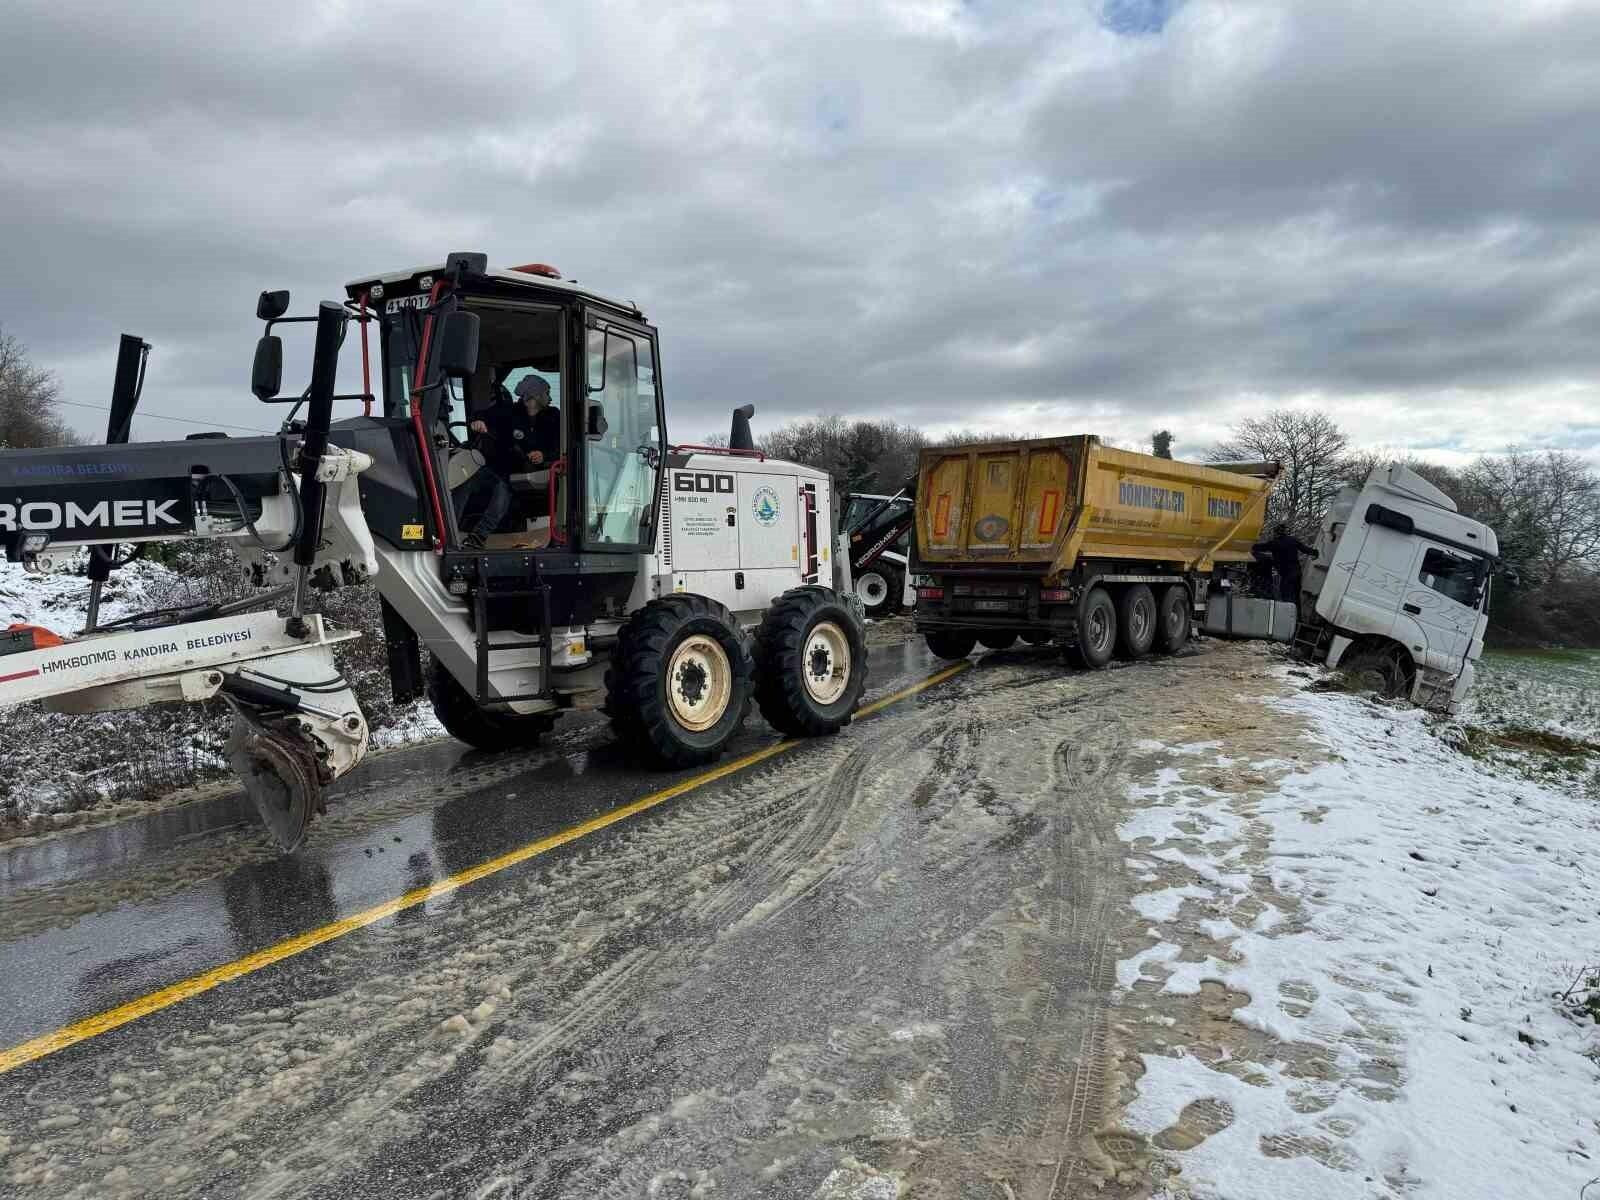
[(671, 585)]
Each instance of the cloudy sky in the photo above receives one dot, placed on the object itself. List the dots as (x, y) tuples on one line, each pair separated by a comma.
[(1088, 215)]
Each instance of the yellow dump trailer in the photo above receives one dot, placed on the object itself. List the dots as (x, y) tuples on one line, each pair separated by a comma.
[(1066, 539)]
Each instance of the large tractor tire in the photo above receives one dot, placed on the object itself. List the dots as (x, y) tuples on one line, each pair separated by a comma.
[(481, 728), (997, 639), (1173, 619), (951, 643), (880, 587), (678, 687), (811, 663), (1136, 621), (1096, 639)]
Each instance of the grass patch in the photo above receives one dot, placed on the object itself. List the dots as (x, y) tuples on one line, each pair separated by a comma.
[(1478, 740)]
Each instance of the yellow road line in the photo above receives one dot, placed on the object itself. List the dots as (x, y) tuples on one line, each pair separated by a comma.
[(114, 1018)]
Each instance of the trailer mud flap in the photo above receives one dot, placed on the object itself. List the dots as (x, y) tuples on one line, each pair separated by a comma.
[(279, 774)]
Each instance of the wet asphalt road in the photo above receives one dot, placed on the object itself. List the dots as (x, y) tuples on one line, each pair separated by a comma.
[(456, 808), (876, 964)]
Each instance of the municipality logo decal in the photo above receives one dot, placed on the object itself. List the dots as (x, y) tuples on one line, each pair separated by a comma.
[(765, 506)]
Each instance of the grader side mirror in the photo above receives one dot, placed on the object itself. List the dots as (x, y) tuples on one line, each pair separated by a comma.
[(458, 344), (272, 305), (596, 427), (266, 373)]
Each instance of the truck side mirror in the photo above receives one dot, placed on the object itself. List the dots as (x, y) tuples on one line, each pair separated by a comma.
[(458, 344), (266, 373), (272, 305), (596, 426)]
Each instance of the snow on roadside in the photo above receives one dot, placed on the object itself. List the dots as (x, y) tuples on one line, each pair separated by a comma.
[(59, 600), (1379, 938)]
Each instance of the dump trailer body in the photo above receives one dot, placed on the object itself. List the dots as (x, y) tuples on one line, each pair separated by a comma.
[(1041, 507)]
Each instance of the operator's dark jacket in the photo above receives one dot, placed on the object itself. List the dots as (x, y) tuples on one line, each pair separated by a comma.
[(1286, 550), (515, 433)]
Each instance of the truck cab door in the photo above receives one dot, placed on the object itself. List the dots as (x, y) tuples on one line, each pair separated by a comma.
[(1368, 579), (1443, 600)]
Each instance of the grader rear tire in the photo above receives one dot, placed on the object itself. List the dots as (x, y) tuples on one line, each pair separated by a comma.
[(811, 663), (678, 687), (481, 728)]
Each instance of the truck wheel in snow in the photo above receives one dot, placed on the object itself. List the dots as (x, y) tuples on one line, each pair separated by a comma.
[(481, 728), (1136, 621), (995, 639), (879, 588), (1172, 619), (678, 686), (1378, 669), (1097, 631), (951, 643), (811, 663)]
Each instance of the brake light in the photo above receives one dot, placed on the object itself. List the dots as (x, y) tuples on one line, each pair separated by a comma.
[(544, 269), (930, 593), (1049, 595)]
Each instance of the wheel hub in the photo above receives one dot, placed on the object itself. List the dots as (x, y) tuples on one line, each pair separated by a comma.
[(699, 682), (873, 589), (826, 663)]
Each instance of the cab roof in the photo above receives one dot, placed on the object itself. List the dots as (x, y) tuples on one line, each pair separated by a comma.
[(409, 281)]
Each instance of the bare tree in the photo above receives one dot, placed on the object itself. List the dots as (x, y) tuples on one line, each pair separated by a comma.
[(864, 456), (1544, 508), (28, 396), (1313, 451)]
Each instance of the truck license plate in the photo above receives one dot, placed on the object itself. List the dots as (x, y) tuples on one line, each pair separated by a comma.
[(992, 605)]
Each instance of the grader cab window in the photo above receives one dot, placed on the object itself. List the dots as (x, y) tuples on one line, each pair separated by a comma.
[(622, 436)]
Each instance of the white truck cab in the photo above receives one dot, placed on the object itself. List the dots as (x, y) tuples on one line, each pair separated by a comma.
[(1400, 588)]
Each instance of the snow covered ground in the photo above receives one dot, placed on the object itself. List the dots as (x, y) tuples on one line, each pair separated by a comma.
[(1349, 983)]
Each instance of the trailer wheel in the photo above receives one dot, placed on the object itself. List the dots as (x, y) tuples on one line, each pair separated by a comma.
[(997, 639), (481, 728), (811, 663), (879, 587), (1172, 619), (1136, 621), (951, 643), (678, 686), (1097, 631)]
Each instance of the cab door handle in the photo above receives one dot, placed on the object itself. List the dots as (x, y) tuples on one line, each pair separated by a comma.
[(1412, 608)]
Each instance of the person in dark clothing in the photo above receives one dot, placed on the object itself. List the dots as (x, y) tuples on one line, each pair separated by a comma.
[(1285, 550), (526, 435), (485, 482)]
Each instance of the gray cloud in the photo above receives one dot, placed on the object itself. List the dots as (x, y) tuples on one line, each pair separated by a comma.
[(955, 215)]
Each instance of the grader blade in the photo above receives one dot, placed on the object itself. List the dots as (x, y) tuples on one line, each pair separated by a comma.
[(280, 776)]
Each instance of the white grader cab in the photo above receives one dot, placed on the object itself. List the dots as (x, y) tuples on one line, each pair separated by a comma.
[(673, 586)]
